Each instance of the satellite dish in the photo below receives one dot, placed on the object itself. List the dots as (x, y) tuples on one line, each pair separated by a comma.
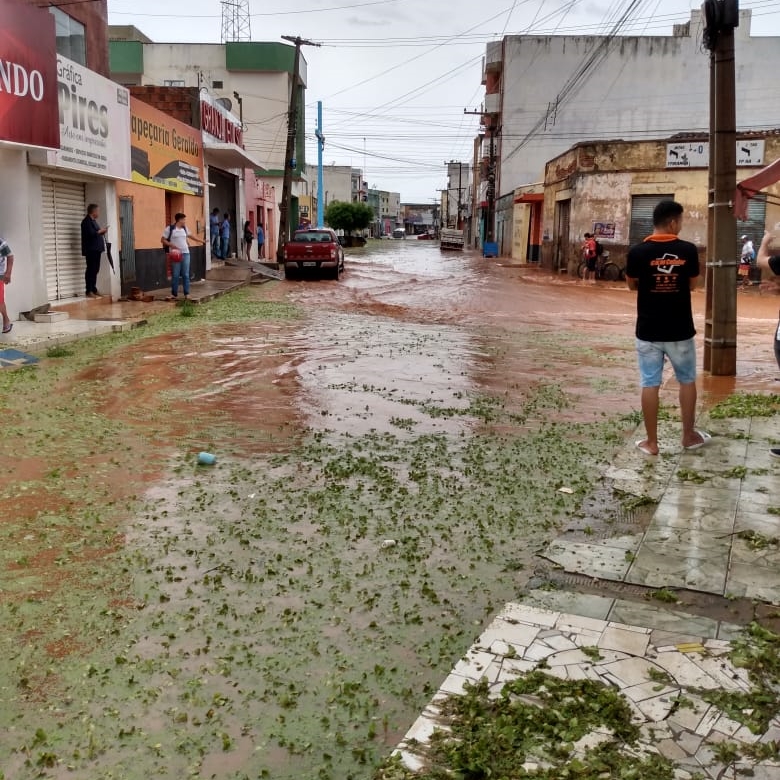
[(226, 103)]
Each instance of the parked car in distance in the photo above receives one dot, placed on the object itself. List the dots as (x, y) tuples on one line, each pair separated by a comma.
[(313, 249)]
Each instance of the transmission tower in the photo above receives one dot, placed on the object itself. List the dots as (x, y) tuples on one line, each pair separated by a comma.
[(236, 22)]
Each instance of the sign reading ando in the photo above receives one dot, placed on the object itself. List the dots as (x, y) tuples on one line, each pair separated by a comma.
[(697, 154)]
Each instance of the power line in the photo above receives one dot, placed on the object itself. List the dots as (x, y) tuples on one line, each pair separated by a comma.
[(253, 16)]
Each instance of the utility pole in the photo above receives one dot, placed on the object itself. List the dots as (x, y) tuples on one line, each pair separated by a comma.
[(460, 195), (320, 184), (491, 188), (490, 217), (720, 332), (289, 156)]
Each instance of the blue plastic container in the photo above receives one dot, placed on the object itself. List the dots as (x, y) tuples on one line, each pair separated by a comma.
[(206, 459)]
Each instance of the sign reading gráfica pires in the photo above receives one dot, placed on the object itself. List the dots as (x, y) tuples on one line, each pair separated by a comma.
[(94, 116)]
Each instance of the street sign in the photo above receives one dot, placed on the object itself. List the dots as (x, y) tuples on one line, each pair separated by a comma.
[(696, 154)]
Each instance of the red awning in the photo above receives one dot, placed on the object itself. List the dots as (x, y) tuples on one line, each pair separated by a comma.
[(751, 186), (530, 197)]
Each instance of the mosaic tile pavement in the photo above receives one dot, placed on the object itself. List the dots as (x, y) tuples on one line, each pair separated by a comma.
[(710, 502), (681, 651)]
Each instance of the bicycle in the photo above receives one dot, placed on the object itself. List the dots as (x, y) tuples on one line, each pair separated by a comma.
[(606, 270)]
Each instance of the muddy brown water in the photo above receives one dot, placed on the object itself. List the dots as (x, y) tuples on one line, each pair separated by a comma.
[(407, 328)]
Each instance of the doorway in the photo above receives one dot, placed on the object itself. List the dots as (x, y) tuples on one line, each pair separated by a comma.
[(127, 273)]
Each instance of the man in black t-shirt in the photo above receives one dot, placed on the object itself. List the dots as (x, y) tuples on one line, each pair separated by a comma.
[(663, 270), (769, 262)]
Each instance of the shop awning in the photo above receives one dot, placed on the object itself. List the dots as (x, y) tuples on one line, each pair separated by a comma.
[(223, 155), (751, 186)]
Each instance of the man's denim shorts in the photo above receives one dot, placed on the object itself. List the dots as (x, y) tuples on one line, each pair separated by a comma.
[(681, 354)]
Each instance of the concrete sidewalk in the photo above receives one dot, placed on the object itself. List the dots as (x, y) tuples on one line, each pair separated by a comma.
[(715, 527), (97, 316)]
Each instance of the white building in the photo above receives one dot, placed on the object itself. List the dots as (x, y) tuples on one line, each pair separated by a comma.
[(339, 183), (458, 187), (546, 93)]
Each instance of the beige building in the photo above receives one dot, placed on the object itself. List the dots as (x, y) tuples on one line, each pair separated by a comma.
[(609, 188)]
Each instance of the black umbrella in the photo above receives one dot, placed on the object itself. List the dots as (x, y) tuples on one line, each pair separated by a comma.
[(110, 259)]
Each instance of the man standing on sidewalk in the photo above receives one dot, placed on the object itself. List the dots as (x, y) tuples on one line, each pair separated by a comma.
[(769, 262), (93, 244), (6, 266), (663, 270), (214, 233)]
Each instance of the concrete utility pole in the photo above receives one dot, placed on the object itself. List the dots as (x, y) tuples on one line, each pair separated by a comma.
[(490, 228), (459, 225), (720, 330), (320, 150), (289, 156)]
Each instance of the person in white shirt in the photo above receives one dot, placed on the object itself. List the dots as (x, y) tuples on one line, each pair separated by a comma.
[(177, 237), (748, 252)]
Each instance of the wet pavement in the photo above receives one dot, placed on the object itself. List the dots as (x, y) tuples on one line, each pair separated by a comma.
[(715, 526), (460, 411), (96, 317)]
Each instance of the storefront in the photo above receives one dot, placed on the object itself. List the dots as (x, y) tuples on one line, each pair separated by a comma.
[(167, 178), (610, 188), (94, 152), (261, 209), (226, 164), (28, 123)]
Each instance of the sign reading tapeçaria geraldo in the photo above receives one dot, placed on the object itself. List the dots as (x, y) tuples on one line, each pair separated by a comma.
[(28, 80), (165, 153), (94, 122)]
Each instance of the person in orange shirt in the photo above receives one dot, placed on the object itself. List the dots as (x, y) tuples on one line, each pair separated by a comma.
[(663, 270)]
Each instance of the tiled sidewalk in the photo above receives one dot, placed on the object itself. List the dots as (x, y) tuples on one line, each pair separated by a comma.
[(630, 658), (708, 502)]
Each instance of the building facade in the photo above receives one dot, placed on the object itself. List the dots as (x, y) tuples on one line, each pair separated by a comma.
[(419, 218), (249, 80), (457, 201), (545, 93), (609, 188), (339, 183), (64, 142), (168, 177), (228, 178)]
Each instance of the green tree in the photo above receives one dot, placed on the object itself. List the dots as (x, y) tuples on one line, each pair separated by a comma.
[(349, 216)]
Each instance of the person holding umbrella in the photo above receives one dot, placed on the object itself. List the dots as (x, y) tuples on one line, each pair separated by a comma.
[(93, 244)]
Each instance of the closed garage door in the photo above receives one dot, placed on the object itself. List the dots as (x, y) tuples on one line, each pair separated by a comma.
[(642, 216), (753, 226), (64, 206)]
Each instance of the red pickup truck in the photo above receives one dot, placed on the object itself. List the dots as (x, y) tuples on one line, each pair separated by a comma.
[(316, 249)]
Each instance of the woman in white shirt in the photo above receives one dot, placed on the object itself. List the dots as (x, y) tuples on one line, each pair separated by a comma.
[(177, 237)]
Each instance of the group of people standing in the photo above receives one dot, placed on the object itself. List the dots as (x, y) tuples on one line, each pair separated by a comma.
[(219, 231)]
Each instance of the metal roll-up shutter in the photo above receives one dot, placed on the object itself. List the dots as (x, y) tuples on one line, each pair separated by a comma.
[(642, 216), (753, 227), (64, 206)]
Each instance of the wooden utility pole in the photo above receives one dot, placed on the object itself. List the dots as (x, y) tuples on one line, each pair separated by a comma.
[(289, 155), (720, 333)]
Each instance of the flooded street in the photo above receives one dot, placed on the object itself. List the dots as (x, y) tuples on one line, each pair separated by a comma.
[(390, 452)]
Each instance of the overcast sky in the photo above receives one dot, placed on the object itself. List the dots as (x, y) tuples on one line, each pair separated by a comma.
[(395, 75)]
